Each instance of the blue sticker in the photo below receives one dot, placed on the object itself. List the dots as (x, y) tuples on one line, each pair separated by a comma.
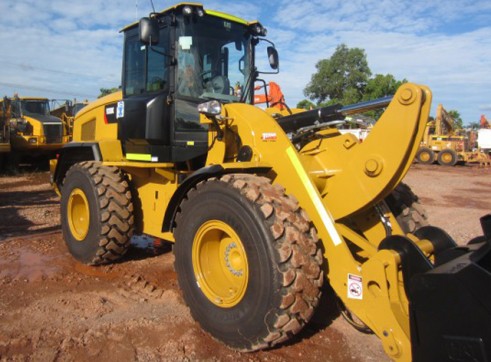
[(120, 110)]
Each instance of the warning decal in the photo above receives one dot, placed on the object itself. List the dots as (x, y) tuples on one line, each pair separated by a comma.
[(269, 137), (355, 287), (110, 114)]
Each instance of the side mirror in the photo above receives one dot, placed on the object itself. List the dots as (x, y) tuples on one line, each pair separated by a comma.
[(149, 31), (273, 58)]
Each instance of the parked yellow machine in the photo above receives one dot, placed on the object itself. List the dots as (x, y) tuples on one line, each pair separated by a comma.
[(33, 130), (441, 143), (4, 127), (262, 211), (66, 110)]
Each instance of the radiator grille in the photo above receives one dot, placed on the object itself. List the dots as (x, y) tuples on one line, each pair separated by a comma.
[(53, 133)]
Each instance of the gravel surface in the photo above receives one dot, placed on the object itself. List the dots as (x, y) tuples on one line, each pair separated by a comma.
[(53, 308)]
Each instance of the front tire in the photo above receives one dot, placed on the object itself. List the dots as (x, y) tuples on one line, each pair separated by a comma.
[(96, 213), (247, 261)]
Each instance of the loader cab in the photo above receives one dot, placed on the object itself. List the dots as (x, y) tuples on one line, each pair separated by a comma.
[(173, 61)]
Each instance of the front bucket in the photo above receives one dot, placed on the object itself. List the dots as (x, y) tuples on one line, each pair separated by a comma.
[(450, 307)]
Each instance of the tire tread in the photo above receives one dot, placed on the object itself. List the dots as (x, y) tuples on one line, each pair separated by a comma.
[(116, 209), (298, 255)]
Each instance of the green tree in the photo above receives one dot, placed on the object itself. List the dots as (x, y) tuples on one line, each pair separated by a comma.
[(305, 104), (106, 91), (381, 86), (458, 123), (340, 79)]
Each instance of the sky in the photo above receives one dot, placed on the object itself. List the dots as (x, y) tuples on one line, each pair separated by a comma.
[(56, 49)]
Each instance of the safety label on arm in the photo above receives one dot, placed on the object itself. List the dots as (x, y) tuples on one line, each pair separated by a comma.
[(355, 287)]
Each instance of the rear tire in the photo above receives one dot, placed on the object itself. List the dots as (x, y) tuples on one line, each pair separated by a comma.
[(447, 158), (407, 208), (247, 261), (96, 213), (425, 156)]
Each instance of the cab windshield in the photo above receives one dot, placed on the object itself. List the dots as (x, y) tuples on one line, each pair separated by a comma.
[(213, 59), (30, 107)]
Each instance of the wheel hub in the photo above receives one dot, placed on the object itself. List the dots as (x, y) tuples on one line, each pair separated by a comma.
[(220, 263), (78, 214), (447, 158), (425, 156), (233, 260)]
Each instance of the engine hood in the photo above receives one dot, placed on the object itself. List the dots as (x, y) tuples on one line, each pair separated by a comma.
[(43, 119)]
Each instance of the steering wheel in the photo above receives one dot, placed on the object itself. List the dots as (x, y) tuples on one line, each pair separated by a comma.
[(205, 78)]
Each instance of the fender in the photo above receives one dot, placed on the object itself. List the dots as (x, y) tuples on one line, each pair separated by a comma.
[(70, 154), (203, 174)]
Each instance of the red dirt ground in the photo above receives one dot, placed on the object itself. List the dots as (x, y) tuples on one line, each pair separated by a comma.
[(53, 308)]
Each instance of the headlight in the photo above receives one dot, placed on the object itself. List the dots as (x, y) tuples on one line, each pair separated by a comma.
[(33, 140), (211, 108)]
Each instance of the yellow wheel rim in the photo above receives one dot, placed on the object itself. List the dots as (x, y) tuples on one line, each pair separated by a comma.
[(447, 157), (78, 214), (220, 263), (424, 156)]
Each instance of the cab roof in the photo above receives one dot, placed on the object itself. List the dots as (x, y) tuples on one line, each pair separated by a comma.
[(217, 14), (26, 98)]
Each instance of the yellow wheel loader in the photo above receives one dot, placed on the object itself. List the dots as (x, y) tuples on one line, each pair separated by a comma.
[(262, 211)]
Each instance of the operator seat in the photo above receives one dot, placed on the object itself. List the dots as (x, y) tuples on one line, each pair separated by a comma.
[(219, 84)]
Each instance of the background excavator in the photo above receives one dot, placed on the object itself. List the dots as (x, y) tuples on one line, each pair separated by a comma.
[(263, 211)]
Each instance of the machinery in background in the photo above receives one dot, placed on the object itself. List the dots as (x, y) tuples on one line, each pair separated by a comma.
[(66, 110), (484, 136), (273, 98), (443, 144), (5, 126), (33, 131), (4, 131)]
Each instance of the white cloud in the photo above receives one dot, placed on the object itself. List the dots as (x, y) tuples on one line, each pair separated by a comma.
[(72, 50), (59, 50), (445, 45)]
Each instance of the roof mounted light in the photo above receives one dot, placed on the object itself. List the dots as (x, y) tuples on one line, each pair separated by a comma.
[(187, 10), (258, 30)]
